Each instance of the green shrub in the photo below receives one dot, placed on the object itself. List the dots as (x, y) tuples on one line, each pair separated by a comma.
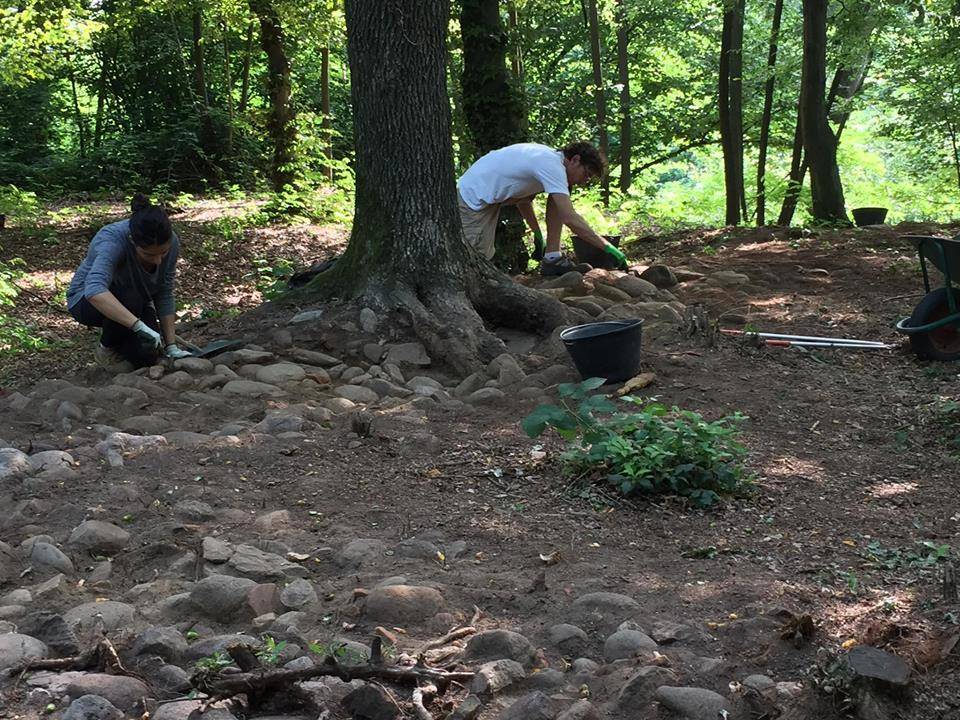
[(650, 450)]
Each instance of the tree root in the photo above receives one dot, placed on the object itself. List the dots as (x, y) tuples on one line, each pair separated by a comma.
[(502, 302), (101, 657)]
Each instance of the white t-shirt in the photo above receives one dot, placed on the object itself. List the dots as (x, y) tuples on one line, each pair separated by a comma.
[(513, 172)]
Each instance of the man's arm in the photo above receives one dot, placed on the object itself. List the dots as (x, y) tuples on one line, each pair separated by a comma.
[(566, 215), (525, 208)]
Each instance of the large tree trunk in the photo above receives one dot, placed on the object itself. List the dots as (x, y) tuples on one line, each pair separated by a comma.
[(730, 92), (819, 142), (406, 251), (600, 95), (623, 75), (280, 123), (493, 109), (767, 113)]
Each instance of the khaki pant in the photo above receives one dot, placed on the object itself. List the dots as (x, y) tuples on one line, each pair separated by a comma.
[(480, 226)]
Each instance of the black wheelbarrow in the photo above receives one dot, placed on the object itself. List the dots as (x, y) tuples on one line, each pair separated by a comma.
[(934, 326)]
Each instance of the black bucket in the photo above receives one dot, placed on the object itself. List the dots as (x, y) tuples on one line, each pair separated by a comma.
[(608, 349), (591, 254), (869, 216)]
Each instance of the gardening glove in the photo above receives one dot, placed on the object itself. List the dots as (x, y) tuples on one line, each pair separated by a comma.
[(620, 257), (175, 353), (147, 335), (538, 246)]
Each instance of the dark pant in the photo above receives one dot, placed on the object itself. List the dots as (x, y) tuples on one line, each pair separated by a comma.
[(117, 337)]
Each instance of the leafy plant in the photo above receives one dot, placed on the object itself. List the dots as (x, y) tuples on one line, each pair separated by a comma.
[(271, 279), (269, 654), (652, 450), (213, 663)]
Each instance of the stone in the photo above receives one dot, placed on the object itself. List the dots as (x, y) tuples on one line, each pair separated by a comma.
[(635, 287), (657, 312), (497, 644), (878, 665), (165, 642), (215, 550), (52, 630), (692, 703), (362, 551), (74, 394), (221, 596), (280, 373), (311, 357), (627, 644), (306, 316), (262, 566), (145, 424), (18, 401), (49, 460), (469, 384), (252, 389), (587, 304), (412, 353), (122, 691), (485, 396), (580, 710), (403, 604), (570, 639), (98, 536), (370, 702), (534, 706), (660, 275), (212, 382), (468, 709), (47, 557), (67, 410), (727, 278), (611, 293), (101, 572), (13, 462), (16, 649), (273, 521), (20, 596), (298, 594), (356, 393), (193, 365), (338, 404), (115, 615), (217, 643), (186, 439), (194, 511), (492, 677), (685, 275), (604, 610), (373, 352), (368, 320), (546, 679), (173, 679), (92, 707), (584, 665), (638, 691), (264, 598), (666, 632), (188, 710), (385, 388)]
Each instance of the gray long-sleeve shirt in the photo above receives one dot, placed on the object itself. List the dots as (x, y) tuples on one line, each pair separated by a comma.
[(111, 263)]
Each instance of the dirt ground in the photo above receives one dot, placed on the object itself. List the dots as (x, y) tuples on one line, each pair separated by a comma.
[(853, 453)]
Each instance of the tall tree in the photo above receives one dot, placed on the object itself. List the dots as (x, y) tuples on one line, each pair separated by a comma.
[(406, 251), (280, 123), (819, 142), (599, 91), (767, 112), (623, 76), (730, 94)]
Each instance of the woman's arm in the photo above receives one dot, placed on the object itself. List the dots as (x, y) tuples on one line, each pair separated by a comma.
[(168, 329), (112, 309)]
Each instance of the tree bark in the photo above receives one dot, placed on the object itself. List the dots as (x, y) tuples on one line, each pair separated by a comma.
[(228, 82), (493, 110), (819, 142), (600, 96), (623, 75), (245, 87), (767, 113), (280, 122), (952, 130), (325, 112), (516, 49), (101, 100), (730, 92), (406, 251)]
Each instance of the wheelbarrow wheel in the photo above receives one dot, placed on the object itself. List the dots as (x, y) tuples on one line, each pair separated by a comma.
[(944, 342)]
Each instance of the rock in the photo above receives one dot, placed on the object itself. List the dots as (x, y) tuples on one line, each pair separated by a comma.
[(570, 639), (16, 649), (53, 631), (221, 596), (373, 352), (637, 694), (370, 702), (492, 677), (218, 643), (485, 396), (368, 320), (122, 691), (627, 644), (273, 521), (311, 357), (546, 679), (497, 644), (92, 707), (172, 679), (356, 394), (469, 384), (362, 551), (727, 278), (115, 615), (67, 410), (604, 610), (412, 353), (20, 596), (194, 365), (145, 424), (385, 388), (338, 404), (98, 536), (306, 316), (684, 275), (885, 669), (298, 594), (13, 462), (188, 710), (178, 380), (215, 551), (403, 604), (571, 282), (692, 703), (587, 304), (194, 511), (534, 706), (165, 642), (48, 460), (468, 709), (611, 293), (252, 389), (280, 373), (660, 275), (263, 599), (657, 312), (74, 394), (635, 287), (666, 632), (186, 439), (580, 710), (584, 665), (262, 566), (47, 557)]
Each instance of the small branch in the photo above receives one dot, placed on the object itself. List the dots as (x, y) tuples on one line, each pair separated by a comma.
[(456, 634), (419, 709)]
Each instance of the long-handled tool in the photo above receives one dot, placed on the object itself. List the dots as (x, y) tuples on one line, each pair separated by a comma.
[(782, 340)]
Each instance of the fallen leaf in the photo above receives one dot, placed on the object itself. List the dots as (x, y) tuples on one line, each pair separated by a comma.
[(432, 473), (551, 558), (851, 543), (297, 557), (637, 382), (848, 643)]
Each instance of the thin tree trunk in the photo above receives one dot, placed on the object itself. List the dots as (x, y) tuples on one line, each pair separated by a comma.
[(245, 87), (101, 101), (952, 129), (819, 142), (623, 75), (199, 74), (600, 95), (767, 113), (325, 111), (228, 81), (516, 49), (736, 101), (81, 124), (465, 149), (730, 102)]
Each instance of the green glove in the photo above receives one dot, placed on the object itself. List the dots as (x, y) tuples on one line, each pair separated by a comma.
[(620, 257), (538, 246)]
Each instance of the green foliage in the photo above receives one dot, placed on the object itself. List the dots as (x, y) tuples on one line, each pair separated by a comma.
[(269, 654), (270, 277), (652, 450), (925, 555), (213, 663), (340, 653)]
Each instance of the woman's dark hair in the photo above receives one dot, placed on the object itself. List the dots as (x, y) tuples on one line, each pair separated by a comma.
[(149, 224)]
